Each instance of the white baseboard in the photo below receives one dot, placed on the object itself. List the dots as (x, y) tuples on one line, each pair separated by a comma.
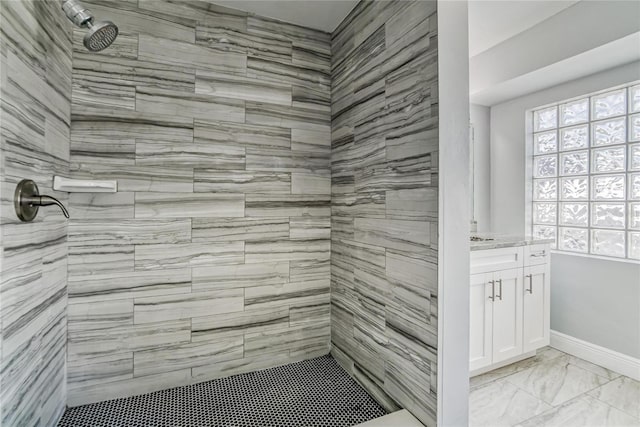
[(617, 362)]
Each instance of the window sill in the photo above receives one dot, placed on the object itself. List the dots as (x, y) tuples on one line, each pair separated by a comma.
[(605, 258)]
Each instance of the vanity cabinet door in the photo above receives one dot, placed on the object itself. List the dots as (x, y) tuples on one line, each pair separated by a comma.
[(507, 314), (536, 306), (481, 325)]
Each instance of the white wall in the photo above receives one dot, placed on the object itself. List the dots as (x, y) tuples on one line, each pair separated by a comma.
[(480, 119), (571, 297), (597, 301), (453, 214)]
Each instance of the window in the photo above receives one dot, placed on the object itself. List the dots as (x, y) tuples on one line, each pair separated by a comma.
[(586, 173)]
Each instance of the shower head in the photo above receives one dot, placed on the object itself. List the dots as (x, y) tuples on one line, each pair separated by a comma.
[(100, 34)]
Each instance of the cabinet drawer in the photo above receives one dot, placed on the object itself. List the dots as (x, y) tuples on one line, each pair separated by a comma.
[(536, 254), (484, 261)]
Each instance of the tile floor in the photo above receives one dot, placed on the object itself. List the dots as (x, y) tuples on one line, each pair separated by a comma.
[(401, 418), (316, 392), (554, 389)]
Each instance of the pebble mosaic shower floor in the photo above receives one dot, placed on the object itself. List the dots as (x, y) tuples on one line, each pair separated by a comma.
[(316, 392)]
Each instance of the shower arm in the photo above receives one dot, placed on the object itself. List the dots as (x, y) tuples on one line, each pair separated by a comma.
[(77, 13), (49, 201)]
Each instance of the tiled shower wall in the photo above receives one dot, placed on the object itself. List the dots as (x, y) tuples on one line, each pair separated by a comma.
[(384, 210), (35, 91), (213, 256)]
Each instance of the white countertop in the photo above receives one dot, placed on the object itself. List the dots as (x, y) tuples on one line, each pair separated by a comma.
[(504, 241)]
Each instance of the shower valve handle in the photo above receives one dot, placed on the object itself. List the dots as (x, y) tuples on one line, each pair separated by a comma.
[(27, 201)]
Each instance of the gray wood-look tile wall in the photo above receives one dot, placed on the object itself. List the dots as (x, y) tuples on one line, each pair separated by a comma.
[(35, 96), (270, 178), (384, 201), (213, 257)]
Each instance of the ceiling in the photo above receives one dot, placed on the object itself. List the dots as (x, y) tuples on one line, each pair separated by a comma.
[(492, 22), (570, 40), (611, 55), (322, 15), (494, 25)]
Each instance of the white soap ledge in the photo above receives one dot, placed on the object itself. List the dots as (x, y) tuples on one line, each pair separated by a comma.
[(84, 185)]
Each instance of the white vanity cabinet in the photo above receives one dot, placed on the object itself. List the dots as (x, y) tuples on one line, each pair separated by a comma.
[(509, 304)]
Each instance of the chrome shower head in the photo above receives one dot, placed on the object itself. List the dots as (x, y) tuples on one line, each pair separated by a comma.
[(100, 35)]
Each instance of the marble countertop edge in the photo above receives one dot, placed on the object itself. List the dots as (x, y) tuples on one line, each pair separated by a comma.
[(504, 241)]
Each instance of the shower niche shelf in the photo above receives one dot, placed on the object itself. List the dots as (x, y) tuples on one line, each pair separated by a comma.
[(84, 185)]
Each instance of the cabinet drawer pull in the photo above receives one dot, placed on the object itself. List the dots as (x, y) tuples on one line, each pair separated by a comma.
[(530, 277), (500, 285), (493, 290), (538, 254)]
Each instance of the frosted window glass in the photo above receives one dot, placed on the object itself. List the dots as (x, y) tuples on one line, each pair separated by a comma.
[(634, 216), (634, 157), (545, 189), (544, 166), (608, 242), (574, 214), (634, 186), (608, 215), (634, 128), (544, 213), (574, 163), (609, 132), (546, 142), (545, 119), (609, 104), (574, 112), (634, 99), (574, 188), (634, 245), (586, 173), (573, 239), (608, 159), (574, 138), (610, 187), (545, 232)]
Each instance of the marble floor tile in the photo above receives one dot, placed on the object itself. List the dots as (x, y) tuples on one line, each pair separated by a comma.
[(544, 354), (572, 392), (500, 403), (583, 411), (401, 418), (557, 380), (598, 370), (622, 393)]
